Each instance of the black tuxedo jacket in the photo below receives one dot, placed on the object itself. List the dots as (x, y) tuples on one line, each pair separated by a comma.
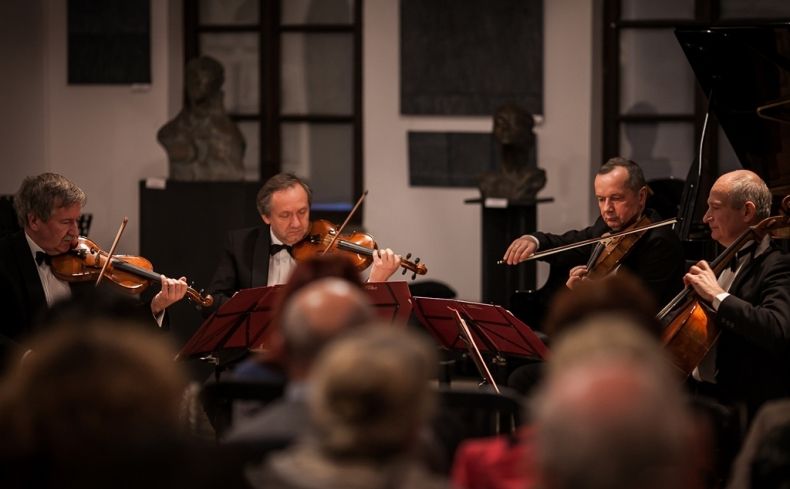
[(656, 258), (753, 355), (22, 296), (243, 263)]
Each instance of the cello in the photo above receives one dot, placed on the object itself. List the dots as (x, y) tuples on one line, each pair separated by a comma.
[(689, 327)]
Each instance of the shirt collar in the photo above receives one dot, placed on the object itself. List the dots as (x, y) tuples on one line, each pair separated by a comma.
[(33, 247)]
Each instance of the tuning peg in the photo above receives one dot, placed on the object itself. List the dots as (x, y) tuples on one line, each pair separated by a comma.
[(403, 272), (414, 275), (416, 261), (408, 255)]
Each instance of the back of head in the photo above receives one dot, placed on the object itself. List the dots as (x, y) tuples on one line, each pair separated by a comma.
[(102, 390), (41, 194), (317, 314), (371, 393), (610, 414), (620, 293)]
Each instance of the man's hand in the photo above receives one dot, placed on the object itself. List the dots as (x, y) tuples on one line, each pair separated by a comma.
[(576, 275), (385, 263), (172, 291), (703, 280), (519, 250)]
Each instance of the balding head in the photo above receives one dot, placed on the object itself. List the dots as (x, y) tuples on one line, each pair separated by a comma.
[(317, 314), (742, 186), (611, 414)]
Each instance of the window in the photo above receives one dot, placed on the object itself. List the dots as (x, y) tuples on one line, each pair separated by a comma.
[(292, 84)]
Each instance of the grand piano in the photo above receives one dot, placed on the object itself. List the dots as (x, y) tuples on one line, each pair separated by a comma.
[(745, 73)]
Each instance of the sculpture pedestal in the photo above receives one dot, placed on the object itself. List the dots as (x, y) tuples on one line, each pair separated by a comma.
[(502, 222)]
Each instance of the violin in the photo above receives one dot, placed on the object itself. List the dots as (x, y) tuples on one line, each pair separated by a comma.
[(607, 258), (323, 237), (689, 329), (132, 274)]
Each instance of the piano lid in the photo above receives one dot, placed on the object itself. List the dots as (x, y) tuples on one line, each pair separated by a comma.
[(747, 71)]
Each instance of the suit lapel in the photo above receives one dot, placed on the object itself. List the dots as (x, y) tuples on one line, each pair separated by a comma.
[(29, 274), (747, 271), (260, 258)]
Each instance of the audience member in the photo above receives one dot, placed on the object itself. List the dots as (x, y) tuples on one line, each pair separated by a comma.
[(772, 416), (315, 315), (610, 414), (370, 400), (92, 406)]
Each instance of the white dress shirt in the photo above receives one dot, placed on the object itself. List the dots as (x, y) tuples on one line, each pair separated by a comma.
[(55, 289), (281, 264)]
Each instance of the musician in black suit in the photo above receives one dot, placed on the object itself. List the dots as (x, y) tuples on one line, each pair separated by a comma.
[(751, 361), (621, 192), (260, 256), (48, 207)]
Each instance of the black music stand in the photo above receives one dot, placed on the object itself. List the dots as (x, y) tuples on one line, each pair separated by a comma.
[(494, 329), (241, 323)]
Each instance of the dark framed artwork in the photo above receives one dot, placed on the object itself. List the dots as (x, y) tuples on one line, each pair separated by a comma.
[(468, 57), (109, 41), (449, 159)]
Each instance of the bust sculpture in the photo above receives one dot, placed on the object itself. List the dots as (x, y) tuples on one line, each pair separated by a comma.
[(202, 142), (518, 178)]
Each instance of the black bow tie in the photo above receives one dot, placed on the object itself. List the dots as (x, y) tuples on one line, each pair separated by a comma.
[(42, 257), (746, 251), (276, 248)]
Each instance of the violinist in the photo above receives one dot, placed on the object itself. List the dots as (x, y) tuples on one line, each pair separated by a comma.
[(48, 207), (620, 189), (259, 256), (751, 361)]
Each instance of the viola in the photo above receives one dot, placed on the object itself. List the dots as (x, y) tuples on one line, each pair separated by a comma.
[(359, 247), (615, 249), (689, 327), (132, 274)]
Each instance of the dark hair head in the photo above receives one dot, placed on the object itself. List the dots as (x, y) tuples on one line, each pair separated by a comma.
[(281, 181), (42, 194), (636, 178), (620, 293)]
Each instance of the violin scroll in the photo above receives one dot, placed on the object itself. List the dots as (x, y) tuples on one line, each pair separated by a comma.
[(415, 267)]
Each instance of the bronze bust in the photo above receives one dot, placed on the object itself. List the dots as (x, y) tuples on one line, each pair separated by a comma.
[(202, 142), (519, 178)]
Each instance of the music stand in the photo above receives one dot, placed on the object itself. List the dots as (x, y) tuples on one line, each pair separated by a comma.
[(494, 329), (243, 322), (392, 301), (240, 323)]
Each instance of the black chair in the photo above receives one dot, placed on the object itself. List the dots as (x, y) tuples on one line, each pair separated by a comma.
[(218, 399), (8, 220), (484, 412)]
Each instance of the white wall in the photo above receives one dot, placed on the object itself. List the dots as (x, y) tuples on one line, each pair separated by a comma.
[(22, 102), (103, 137), (434, 223)]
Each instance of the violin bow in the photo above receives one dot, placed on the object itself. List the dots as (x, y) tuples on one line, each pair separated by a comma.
[(112, 250), (560, 249), (348, 218)]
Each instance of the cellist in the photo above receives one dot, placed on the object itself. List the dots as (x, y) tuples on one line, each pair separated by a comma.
[(620, 189), (751, 361)]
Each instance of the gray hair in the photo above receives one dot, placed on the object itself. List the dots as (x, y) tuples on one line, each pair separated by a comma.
[(281, 181), (42, 194), (745, 187), (371, 392), (611, 414), (636, 178)]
